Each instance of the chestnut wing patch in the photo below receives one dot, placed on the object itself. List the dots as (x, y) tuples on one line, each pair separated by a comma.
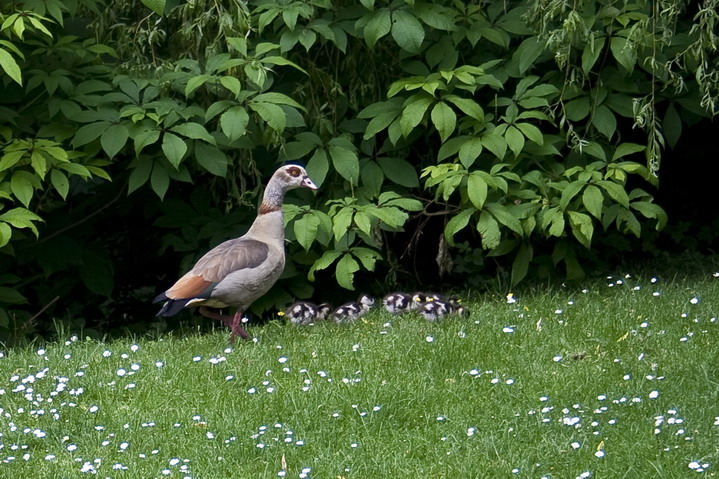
[(191, 286)]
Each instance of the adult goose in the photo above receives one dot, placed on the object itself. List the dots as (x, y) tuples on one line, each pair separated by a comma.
[(240, 270)]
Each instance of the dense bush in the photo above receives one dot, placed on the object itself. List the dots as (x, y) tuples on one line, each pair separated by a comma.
[(132, 131)]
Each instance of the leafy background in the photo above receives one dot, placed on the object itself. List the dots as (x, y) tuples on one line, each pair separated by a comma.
[(457, 145)]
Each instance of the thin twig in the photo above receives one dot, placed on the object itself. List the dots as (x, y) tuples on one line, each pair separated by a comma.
[(86, 218), (43, 309)]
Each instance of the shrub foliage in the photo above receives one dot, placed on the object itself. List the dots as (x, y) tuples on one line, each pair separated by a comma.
[(133, 129)]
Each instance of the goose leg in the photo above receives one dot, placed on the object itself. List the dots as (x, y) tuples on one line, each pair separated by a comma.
[(236, 328), (208, 313)]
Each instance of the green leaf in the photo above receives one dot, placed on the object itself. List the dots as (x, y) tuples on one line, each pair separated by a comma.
[(592, 50), (630, 221), (469, 151), (390, 216), (621, 104), (514, 139), (520, 265), (157, 6), (273, 115), (505, 217), (414, 113), (477, 190), (372, 177), (399, 171), (114, 139), (595, 149), (5, 234), (346, 267), (307, 38), (10, 66), (305, 229), (469, 107), (582, 227), (21, 218), (211, 159), (11, 296), (627, 149), (297, 149), (569, 192), (593, 200), (60, 183), (39, 163), (159, 180), (341, 222), (604, 120), (194, 131), (174, 148), (672, 125), (140, 174), (554, 218), (408, 204), (22, 187), (379, 123), (624, 52), (650, 210), (144, 138), (533, 133), (577, 109), (363, 222), (195, 82), (528, 52), (234, 122), (89, 133), (216, 108), (318, 166), (323, 262), (345, 162), (407, 31), (277, 60), (367, 256), (615, 191), (489, 230), (378, 25), (232, 84), (436, 16), (277, 99), (456, 224), (496, 144), (10, 159), (444, 119), (74, 169)]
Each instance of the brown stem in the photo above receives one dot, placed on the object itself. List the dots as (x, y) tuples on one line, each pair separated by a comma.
[(43, 309)]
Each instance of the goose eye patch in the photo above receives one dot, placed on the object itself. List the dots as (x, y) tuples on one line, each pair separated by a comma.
[(294, 172)]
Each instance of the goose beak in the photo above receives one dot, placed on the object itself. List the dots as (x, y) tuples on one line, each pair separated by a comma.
[(307, 183)]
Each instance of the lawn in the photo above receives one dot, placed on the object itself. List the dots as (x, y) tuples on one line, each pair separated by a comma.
[(618, 377)]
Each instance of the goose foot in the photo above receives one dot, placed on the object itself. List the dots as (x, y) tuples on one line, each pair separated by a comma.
[(236, 329), (232, 322)]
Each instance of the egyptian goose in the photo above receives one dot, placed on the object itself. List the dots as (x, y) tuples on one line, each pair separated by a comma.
[(305, 312), (240, 270), (350, 312), (397, 303), (420, 298), (323, 310), (437, 309)]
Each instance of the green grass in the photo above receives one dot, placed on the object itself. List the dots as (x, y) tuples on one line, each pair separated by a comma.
[(390, 396)]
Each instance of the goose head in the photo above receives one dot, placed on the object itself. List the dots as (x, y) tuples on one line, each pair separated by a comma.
[(293, 176)]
